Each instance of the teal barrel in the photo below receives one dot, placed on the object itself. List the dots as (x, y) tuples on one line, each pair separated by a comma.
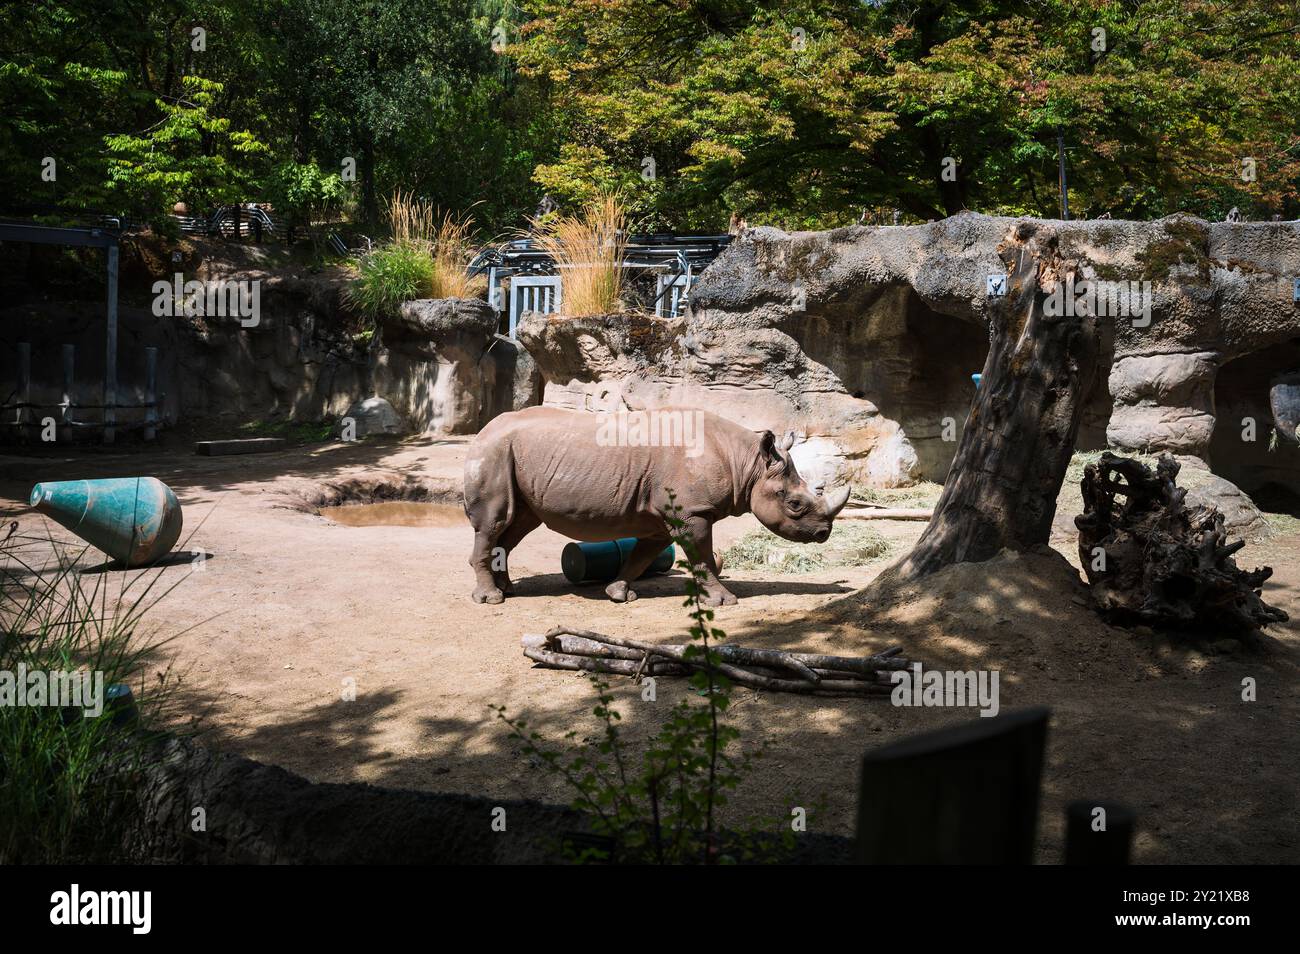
[(600, 562), (135, 520)]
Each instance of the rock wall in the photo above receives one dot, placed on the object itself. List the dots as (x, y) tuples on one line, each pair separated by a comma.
[(863, 339), (440, 364)]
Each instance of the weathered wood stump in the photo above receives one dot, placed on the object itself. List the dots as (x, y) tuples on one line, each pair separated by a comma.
[(1154, 560), (1001, 489)]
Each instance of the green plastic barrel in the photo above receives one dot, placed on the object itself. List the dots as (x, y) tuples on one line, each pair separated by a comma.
[(601, 562), (135, 520)]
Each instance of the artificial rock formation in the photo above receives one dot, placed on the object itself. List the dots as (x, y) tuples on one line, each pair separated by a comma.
[(441, 364), (863, 340), (304, 356)]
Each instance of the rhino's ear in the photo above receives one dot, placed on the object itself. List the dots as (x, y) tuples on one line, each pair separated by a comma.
[(776, 462)]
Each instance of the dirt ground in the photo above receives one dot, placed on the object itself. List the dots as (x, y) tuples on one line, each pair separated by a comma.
[(291, 606)]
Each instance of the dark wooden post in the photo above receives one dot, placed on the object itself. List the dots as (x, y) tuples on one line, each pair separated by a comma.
[(966, 795), (110, 348), (1085, 845), (69, 366), (24, 415), (1001, 489), (150, 393)]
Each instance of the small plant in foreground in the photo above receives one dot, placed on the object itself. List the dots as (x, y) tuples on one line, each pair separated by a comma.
[(664, 809), (68, 782)]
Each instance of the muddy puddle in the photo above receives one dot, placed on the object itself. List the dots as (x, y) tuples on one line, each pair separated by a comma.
[(396, 513)]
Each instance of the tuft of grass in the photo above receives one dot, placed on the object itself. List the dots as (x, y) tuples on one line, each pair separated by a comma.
[(850, 544), (68, 780), (453, 247), (1282, 524), (299, 432), (410, 219), (923, 494), (427, 258), (588, 250)]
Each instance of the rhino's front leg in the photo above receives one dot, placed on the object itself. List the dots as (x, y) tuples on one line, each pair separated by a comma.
[(700, 532), (642, 555)]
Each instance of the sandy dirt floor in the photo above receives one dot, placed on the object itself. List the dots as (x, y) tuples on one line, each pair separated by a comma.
[(291, 606)]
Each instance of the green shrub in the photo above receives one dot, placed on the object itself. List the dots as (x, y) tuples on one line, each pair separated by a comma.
[(390, 275)]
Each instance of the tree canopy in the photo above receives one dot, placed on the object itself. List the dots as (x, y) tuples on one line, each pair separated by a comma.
[(799, 113)]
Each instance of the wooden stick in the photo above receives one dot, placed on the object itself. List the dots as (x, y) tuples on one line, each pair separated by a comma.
[(734, 673), (579, 646), (886, 513), (730, 653), (622, 667), (625, 667)]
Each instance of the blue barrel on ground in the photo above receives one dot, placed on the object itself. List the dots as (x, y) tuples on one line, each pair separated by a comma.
[(601, 562), (135, 520)]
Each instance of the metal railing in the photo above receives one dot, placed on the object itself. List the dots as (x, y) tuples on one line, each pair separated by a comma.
[(675, 261)]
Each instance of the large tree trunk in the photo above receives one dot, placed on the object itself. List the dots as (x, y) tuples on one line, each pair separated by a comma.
[(1002, 487)]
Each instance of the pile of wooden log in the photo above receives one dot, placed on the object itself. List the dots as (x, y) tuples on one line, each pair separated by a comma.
[(1156, 560), (763, 669)]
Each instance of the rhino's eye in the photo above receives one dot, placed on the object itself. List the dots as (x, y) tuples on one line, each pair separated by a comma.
[(795, 506)]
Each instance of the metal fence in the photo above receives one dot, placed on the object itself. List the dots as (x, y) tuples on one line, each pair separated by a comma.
[(662, 269), (23, 417)]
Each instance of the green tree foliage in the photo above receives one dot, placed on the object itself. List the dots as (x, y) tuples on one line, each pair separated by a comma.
[(802, 113), (189, 152), (810, 112), (139, 112)]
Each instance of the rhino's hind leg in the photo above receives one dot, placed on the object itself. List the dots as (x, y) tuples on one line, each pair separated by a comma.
[(524, 523), (489, 504), (638, 561), (486, 589)]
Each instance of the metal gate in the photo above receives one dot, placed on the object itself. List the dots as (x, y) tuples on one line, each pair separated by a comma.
[(540, 293)]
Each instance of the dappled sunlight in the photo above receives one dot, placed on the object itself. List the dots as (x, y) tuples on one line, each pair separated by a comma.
[(291, 606)]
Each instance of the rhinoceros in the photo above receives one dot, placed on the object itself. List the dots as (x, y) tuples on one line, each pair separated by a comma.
[(603, 476)]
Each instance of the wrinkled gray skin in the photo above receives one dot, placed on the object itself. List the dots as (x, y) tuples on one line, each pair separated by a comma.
[(546, 465)]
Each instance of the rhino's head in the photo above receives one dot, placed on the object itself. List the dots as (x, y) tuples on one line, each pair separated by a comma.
[(784, 503)]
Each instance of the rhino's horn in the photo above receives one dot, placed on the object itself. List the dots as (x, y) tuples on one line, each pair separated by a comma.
[(836, 499)]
